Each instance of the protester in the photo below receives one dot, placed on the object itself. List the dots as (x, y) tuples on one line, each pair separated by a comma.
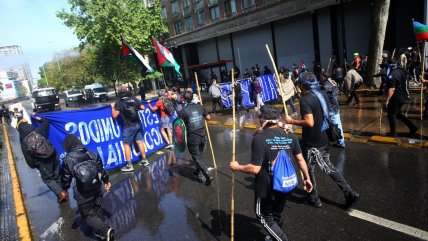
[(266, 70), (357, 62), (287, 87), (315, 144), (40, 154), (331, 88), (424, 81), (397, 96), (127, 107), (256, 90), (238, 98), (85, 166), (353, 81), (337, 76), (215, 91), (142, 90), (166, 110), (193, 116), (265, 148)]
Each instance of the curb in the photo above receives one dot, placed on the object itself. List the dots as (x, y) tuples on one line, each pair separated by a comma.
[(213, 122), (228, 124), (22, 221), (250, 126), (347, 136), (384, 140)]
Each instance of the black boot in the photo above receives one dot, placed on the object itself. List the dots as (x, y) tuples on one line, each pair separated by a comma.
[(351, 197)]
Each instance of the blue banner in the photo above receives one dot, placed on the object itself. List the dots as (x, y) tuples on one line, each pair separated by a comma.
[(101, 133), (269, 91)]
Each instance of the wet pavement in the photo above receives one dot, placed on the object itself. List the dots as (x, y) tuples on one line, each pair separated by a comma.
[(165, 202)]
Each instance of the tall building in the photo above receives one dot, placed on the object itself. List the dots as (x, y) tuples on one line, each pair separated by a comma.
[(211, 36), (23, 73)]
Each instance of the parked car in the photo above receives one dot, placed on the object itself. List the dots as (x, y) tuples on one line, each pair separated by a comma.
[(45, 99), (95, 92), (73, 97)]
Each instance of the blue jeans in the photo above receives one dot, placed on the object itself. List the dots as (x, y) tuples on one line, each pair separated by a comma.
[(132, 134), (336, 120)]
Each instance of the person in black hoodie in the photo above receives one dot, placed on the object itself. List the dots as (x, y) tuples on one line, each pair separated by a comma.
[(48, 167), (88, 197)]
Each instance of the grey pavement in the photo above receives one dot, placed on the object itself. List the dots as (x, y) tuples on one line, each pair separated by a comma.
[(165, 202)]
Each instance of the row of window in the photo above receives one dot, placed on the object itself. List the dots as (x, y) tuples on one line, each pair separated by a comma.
[(230, 8)]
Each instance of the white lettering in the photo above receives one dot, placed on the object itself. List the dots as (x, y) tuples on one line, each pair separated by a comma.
[(84, 133), (72, 126), (94, 131)]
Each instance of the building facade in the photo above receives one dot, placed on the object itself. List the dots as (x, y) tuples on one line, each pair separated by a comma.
[(23, 73), (296, 31)]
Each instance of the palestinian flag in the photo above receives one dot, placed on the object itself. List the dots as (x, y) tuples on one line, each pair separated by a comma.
[(165, 57), (421, 31), (131, 53)]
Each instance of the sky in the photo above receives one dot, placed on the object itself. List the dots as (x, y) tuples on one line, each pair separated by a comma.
[(34, 26)]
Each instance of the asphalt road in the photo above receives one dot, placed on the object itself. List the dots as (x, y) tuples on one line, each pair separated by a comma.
[(164, 202)]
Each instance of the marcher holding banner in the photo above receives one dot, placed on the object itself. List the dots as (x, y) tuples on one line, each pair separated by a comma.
[(193, 116), (166, 109), (39, 153), (127, 107), (267, 144)]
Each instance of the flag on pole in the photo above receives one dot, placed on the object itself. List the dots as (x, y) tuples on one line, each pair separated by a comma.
[(421, 31), (165, 57), (130, 52), (303, 66)]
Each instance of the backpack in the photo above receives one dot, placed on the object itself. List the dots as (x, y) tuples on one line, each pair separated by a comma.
[(131, 113), (283, 173), (38, 146), (86, 175), (169, 107)]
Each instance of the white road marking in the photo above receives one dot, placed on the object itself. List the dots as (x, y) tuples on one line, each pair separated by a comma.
[(390, 224), (53, 229)]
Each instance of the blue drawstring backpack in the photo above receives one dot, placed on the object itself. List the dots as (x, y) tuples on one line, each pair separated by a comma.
[(284, 175)]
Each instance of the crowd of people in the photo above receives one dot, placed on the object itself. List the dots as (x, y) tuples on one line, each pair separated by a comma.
[(318, 92)]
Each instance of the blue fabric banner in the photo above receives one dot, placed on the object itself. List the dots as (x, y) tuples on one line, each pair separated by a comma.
[(269, 91), (100, 133)]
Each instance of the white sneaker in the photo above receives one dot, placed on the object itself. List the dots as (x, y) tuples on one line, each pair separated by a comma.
[(127, 168), (144, 162)]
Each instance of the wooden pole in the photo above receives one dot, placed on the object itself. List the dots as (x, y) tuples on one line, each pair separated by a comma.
[(328, 67), (232, 202), (206, 124), (393, 53), (422, 84), (278, 82)]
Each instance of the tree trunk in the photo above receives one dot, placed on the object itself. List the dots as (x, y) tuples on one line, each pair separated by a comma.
[(379, 20)]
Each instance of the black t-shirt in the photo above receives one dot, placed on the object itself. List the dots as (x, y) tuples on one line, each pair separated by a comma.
[(397, 80), (312, 136), (121, 107), (193, 116), (264, 149)]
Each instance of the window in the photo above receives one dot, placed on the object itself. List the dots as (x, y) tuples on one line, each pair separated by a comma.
[(212, 2), (215, 13), (178, 26), (175, 8), (199, 5), (164, 13), (229, 7), (201, 18), (248, 3), (188, 23), (186, 3)]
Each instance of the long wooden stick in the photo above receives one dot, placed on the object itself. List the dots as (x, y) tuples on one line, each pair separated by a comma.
[(422, 84), (328, 67), (232, 202), (206, 124), (278, 82)]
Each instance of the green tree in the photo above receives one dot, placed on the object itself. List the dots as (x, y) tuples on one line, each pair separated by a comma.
[(102, 22)]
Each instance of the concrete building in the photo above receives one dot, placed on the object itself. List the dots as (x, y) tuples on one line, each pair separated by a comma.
[(10, 87), (22, 70), (209, 31)]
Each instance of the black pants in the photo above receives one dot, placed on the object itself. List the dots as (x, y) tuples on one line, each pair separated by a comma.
[(238, 102), (394, 112), (353, 95), (196, 146), (92, 213), (50, 174), (269, 212), (331, 170), (216, 101)]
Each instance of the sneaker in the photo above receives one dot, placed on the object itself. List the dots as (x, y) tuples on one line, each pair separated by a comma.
[(171, 146), (127, 168), (314, 202), (351, 198), (110, 234), (294, 114), (144, 162)]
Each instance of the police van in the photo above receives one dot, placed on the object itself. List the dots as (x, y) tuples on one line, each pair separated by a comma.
[(95, 92)]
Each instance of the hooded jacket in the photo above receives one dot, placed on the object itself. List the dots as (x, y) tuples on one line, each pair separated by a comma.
[(78, 153), (24, 128)]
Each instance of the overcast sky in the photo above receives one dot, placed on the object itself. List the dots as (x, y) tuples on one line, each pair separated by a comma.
[(33, 25)]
